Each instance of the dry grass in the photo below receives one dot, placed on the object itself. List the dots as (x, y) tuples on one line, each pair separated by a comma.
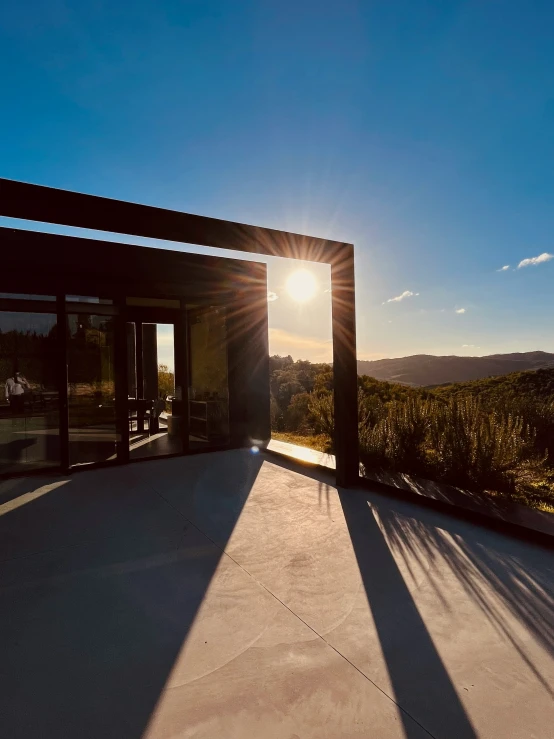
[(320, 442)]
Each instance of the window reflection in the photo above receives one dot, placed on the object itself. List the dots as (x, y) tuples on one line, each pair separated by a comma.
[(29, 417), (21, 296), (91, 389), (209, 386), (88, 299)]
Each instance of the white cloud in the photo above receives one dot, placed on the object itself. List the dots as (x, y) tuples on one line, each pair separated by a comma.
[(398, 298), (460, 310), (505, 268), (532, 261), (470, 346), (271, 296)]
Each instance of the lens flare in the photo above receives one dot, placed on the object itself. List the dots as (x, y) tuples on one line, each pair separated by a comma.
[(301, 285)]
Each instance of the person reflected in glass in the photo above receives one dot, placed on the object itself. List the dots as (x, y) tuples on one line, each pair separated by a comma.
[(16, 387)]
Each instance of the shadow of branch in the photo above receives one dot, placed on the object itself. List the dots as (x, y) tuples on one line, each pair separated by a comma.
[(495, 577)]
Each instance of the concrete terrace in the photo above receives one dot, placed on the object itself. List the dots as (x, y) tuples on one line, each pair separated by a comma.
[(231, 595)]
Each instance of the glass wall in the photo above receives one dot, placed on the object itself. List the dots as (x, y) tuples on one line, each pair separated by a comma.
[(208, 377), (91, 388), (29, 403), (31, 366)]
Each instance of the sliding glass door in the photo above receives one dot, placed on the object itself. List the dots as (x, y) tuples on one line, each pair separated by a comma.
[(29, 400), (87, 380), (154, 411), (93, 433)]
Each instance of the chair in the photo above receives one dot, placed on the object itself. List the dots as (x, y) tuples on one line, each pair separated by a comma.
[(139, 412)]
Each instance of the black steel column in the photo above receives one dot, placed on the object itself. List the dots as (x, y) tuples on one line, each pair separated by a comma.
[(150, 369), (150, 360), (140, 374), (181, 404), (63, 405), (345, 372), (121, 383)]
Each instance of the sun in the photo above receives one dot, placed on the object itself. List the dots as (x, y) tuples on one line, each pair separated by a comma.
[(301, 285)]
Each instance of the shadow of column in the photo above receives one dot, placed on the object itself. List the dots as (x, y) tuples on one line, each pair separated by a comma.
[(101, 582), (421, 684)]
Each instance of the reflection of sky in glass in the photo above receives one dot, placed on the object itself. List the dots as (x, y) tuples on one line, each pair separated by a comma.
[(20, 296), (166, 353), (38, 323)]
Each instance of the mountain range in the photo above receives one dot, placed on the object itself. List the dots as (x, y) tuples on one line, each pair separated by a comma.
[(427, 369)]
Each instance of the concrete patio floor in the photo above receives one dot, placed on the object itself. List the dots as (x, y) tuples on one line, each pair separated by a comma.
[(230, 595)]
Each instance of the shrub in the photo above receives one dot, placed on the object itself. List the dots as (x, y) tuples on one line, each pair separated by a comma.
[(479, 448), (396, 439), (322, 409), (457, 441)]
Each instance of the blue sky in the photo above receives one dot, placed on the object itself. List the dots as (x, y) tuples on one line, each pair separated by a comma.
[(423, 132)]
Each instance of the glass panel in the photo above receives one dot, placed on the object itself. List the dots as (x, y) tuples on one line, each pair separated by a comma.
[(209, 388), (29, 410), (155, 302), (20, 296), (155, 426), (91, 389), (88, 299)]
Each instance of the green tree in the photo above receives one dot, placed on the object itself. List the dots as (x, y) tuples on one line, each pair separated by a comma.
[(166, 382)]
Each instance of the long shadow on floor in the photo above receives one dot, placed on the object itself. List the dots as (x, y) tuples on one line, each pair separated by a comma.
[(417, 673), (499, 574), (100, 584)]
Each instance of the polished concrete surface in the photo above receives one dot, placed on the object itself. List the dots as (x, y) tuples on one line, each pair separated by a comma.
[(142, 446), (229, 595)]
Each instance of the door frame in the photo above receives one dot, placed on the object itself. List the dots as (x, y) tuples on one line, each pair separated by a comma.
[(140, 315)]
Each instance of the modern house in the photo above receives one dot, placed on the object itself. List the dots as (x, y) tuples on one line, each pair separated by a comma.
[(227, 594), (111, 352)]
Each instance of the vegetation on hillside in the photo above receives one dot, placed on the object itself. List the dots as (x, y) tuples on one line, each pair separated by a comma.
[(539, 384), (495, 434)]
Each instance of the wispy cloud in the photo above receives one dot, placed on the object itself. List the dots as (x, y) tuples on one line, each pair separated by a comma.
[(271, 296), (470, 346), (505, 268), (403, 296), (532, 261), (460, 310)]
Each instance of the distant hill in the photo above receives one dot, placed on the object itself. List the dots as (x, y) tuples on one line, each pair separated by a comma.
[(426, 369), (538, 384)]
